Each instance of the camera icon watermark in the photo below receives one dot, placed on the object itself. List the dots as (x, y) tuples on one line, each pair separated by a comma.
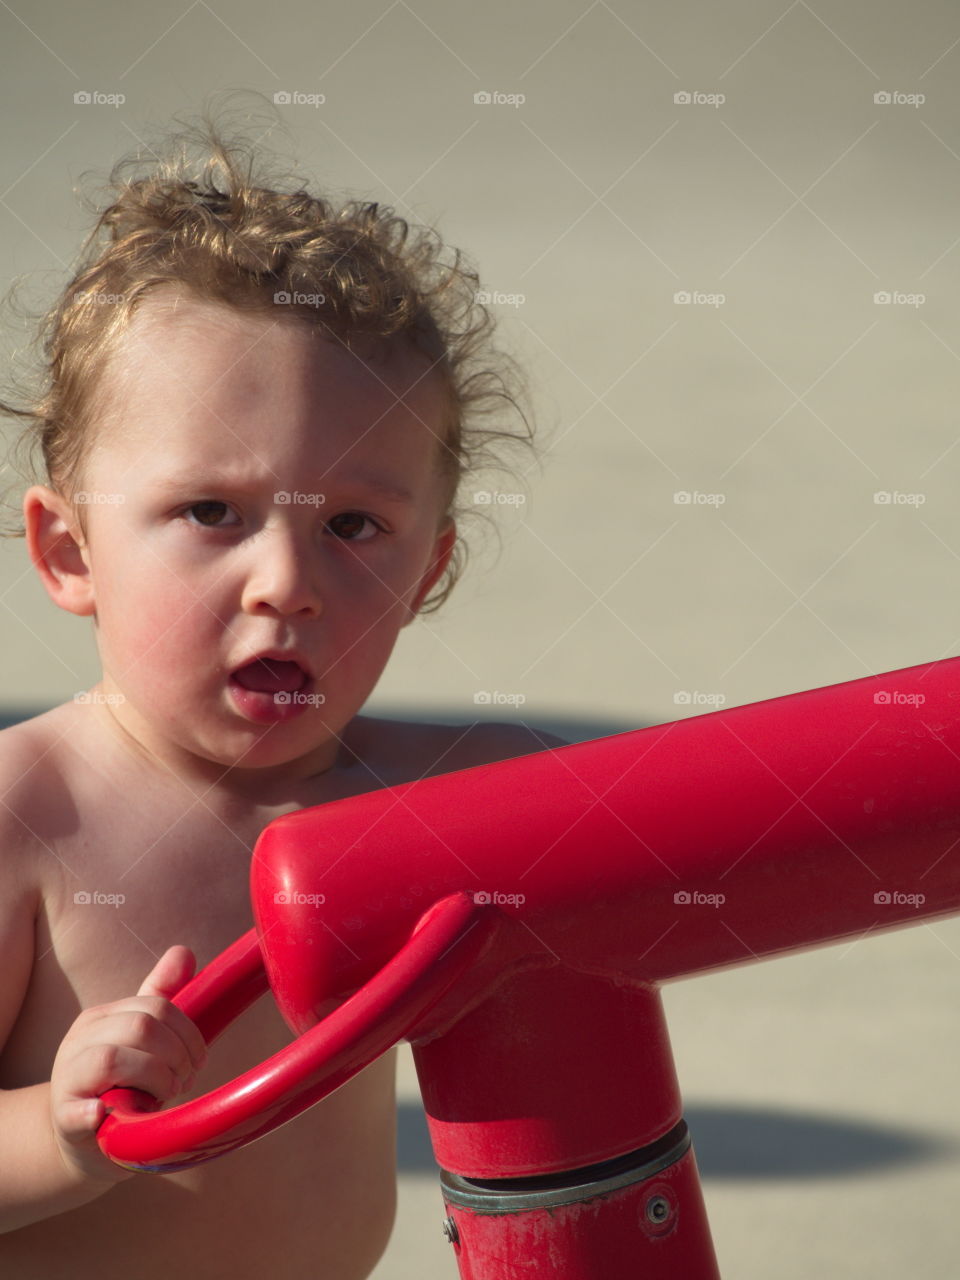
[(96, 898), (496, 498), (84, 296), (494, 698), (694, 498), (497, 298), (894, 698), (86, 98), (298, 498), (895, 98), (695, 98), (696, 898), (694, 698), (698, 298), (92, 498), (897, 298), (284, 298), (297, 698), (894, 898), (894, 498), (484, 898), (294, 98), (484, 98)]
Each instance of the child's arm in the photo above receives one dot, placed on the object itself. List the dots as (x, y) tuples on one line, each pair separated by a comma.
[(49, 1158)]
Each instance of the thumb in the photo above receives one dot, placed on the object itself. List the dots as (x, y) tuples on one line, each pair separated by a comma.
[(172, 971)]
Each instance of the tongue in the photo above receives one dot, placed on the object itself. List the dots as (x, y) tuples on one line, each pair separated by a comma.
[(267, 675)]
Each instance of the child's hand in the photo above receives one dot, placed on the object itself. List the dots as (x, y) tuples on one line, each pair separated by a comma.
[(144, 1042)]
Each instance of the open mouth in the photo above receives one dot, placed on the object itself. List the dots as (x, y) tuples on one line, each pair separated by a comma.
[(271, 675)]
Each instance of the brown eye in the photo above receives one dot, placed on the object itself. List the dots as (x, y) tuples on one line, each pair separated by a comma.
[(352, 526), (208, 513)]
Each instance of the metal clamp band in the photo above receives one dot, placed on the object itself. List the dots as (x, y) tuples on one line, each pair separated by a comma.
[(517, 1195)]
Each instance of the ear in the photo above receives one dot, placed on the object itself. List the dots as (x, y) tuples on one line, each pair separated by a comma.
[(58, 550), (442, 551)]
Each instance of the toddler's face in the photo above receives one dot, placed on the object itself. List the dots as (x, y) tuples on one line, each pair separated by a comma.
[(256, 489)]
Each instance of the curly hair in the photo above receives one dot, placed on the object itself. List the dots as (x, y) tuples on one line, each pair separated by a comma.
[(207, 225)]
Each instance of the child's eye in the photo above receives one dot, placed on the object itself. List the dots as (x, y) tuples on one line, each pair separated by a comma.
[(209, 513), (353, 526)]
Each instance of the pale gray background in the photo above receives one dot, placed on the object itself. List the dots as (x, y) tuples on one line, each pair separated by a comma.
[(821, 1088)]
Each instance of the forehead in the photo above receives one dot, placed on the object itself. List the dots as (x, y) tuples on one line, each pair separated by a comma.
[(202, 377)]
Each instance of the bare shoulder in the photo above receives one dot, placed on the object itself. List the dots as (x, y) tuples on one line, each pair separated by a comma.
[(27, 760), (33, 780), (30, 799), (417, 749)]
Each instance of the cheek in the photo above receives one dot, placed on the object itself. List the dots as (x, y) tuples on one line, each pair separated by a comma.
[(151, 617), (375, 599), (391, 577)]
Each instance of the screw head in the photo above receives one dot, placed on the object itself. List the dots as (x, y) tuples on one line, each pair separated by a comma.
[(658, 1210), (450, 1231)]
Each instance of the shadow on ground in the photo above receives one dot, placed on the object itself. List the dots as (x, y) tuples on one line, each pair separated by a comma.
[(571, 729), (750, 1142)]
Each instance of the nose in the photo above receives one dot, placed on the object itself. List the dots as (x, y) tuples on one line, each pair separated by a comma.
[(283, 575)]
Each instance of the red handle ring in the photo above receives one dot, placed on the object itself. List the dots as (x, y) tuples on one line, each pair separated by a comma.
[(138, 1136)]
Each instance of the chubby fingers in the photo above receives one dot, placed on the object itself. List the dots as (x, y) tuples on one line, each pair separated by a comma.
[(144, 1043), (171, 972)]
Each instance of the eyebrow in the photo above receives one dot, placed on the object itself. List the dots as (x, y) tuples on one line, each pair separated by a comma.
[(385, 488), (196, 481)]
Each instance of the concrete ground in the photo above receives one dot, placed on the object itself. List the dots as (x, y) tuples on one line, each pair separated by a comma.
[(723, 242)]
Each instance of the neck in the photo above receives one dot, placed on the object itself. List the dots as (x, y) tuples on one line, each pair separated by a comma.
[(214, 780)]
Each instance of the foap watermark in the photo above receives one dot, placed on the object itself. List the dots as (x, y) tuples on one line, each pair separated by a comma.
[(696, 98), (91, 498), (297, 498), (494, 898), (896, 298), (94, 98), (897, 98), (694, 698), (697, 898), (694, 498), (495, 98), (294, 98), (494, 698), (894, 498), (97, 898), (284, 298), (894, 898), (83, 296), (497, 298), (894, 698), (294, 898), (697, 298), (296, 698), (496, 498), (95, 697)]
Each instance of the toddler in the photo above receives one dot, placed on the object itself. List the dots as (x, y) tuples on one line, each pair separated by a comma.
[(256, 412)]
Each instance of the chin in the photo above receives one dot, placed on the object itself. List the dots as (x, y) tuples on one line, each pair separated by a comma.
[(273, 749)]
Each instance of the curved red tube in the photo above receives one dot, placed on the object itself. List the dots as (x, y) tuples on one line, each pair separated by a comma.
[(138, 1136)]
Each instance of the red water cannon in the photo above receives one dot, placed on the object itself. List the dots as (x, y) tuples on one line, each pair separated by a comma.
[(515, 921)]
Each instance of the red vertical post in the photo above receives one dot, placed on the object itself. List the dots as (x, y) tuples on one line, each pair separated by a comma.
[(555, 1115)]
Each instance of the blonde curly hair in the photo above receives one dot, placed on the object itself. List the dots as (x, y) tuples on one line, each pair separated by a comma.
[(206, 223)]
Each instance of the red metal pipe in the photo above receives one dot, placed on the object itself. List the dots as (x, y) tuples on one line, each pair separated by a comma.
[(602, 870)]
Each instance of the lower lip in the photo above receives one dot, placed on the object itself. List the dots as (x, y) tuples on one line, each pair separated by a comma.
[(264, 708)]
